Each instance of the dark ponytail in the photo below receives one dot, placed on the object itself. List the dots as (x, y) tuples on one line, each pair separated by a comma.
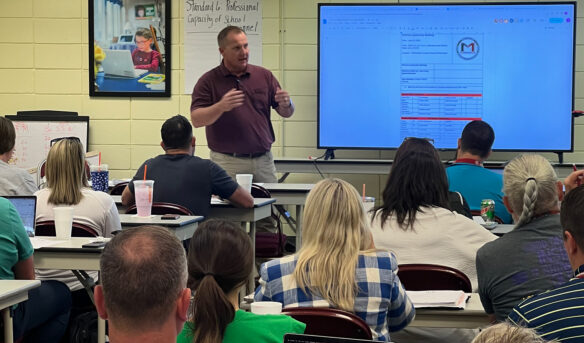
[(220, 260)]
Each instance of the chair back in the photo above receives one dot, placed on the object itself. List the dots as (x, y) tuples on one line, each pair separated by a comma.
[(325, 321), (426, 277), (478, 213), (47, 228), (163, 208), (119, 188), (268, 244)]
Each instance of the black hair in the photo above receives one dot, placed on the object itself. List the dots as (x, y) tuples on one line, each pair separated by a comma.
[(477, 138), (417, 178), (176, 133), (572, 215)]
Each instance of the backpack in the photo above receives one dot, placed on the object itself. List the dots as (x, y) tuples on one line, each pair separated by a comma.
[(83, 328), (268, 244)]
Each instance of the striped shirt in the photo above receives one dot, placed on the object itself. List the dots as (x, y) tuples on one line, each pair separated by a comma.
[(381, 301), (555, 314)]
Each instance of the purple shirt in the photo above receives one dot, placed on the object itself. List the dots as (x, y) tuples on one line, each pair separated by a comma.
[(244, 129)]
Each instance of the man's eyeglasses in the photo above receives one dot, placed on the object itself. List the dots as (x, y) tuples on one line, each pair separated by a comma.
[(55, 140)]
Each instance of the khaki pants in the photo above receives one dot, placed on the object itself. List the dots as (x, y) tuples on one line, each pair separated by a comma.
[(263, 170)]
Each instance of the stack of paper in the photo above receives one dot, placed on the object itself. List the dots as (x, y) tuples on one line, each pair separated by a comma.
[(447, 299)]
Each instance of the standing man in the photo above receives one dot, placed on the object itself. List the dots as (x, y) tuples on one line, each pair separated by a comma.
[(233, 102), (468, 176)]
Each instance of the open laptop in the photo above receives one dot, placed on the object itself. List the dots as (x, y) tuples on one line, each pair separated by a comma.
[(296, 338), (118, 63), (26, 207)]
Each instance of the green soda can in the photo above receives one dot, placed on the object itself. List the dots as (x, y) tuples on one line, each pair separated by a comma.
[(488, 210)]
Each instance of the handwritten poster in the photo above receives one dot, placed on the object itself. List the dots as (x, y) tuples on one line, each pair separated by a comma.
[(202, 22)]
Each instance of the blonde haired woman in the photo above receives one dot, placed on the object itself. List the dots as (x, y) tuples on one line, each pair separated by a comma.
[(531, 258), (338, 266), (67, 186), (507, 333)]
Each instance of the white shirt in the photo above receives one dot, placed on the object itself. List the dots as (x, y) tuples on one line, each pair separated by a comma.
[(96, 210), (439, 237), (15, 181)]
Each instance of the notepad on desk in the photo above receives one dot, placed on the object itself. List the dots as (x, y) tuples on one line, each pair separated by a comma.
[(442, 299)]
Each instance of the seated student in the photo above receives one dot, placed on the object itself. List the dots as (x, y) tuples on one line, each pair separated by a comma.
[(338, 265), (67, 186), (467, 174), (506, 333), (143, 293), (43, 317), (144, 57), (415, 214), (557, 314), (415, 221), (531, 258), (220, 262), (13, 180), (184, 179)]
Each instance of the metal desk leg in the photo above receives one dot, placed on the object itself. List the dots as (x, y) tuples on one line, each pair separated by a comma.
[(8, 334), (100, 330), (299, 214), (251, 280)]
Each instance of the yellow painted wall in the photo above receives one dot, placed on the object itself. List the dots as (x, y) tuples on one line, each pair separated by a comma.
[(44, 65)]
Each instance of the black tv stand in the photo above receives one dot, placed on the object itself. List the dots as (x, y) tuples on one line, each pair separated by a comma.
[(560, 157), (329, 154)]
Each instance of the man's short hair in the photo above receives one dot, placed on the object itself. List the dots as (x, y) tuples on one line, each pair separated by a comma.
[(225, 32), (7, 135), (572, 215), (143, 272), (477, 138), (177, 133)]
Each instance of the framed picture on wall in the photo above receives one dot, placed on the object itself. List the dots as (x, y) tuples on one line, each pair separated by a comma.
[(129, 48)]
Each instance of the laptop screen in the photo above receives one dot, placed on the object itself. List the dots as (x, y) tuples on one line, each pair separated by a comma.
[(295, 338), (26, 207)]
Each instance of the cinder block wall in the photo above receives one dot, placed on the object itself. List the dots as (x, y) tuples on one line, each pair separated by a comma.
[(44, 65)]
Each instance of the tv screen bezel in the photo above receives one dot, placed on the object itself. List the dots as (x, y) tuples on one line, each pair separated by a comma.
[(320, 5)]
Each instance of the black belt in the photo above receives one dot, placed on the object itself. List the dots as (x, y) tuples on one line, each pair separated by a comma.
[(250, 155)]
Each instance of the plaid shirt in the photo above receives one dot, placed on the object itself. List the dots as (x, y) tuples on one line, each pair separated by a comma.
[(381, 301)]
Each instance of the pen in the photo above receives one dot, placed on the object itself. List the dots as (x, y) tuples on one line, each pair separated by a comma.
[(578, 180)]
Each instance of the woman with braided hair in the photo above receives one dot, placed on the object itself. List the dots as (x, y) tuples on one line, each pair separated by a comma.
[(531, 258)]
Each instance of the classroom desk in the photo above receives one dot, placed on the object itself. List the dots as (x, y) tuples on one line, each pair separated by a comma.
[(69, 255), (291, 194), (183, 227), (13, 292), (122, 84), (472, 317), (502, 229)]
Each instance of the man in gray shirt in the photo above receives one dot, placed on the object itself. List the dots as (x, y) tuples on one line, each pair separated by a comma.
[(13, 180)]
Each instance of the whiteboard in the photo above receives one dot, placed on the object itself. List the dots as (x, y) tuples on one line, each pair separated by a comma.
[(203, 19), (33, 137)]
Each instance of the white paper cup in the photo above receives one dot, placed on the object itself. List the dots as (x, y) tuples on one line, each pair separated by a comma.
[(143, 193), (63, 221), (368, 203), (266, 307), (244, 180)]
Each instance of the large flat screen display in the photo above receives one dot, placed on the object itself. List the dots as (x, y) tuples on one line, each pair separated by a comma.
[(389, 71)]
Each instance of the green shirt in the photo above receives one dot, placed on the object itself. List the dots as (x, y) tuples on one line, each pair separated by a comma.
[(15, 245), (249, 327)]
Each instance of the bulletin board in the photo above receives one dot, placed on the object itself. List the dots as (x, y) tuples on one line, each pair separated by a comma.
[(34, 134)]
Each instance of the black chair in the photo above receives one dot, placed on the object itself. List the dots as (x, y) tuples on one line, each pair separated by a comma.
[(163, 208), (427, 277), (119, 188), (324, 321), (47, 228)]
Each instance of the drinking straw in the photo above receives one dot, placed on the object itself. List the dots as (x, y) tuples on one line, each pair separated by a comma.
[(145, 167), (363, 192)]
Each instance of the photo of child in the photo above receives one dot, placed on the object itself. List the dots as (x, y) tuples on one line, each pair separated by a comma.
[(144, 57)]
